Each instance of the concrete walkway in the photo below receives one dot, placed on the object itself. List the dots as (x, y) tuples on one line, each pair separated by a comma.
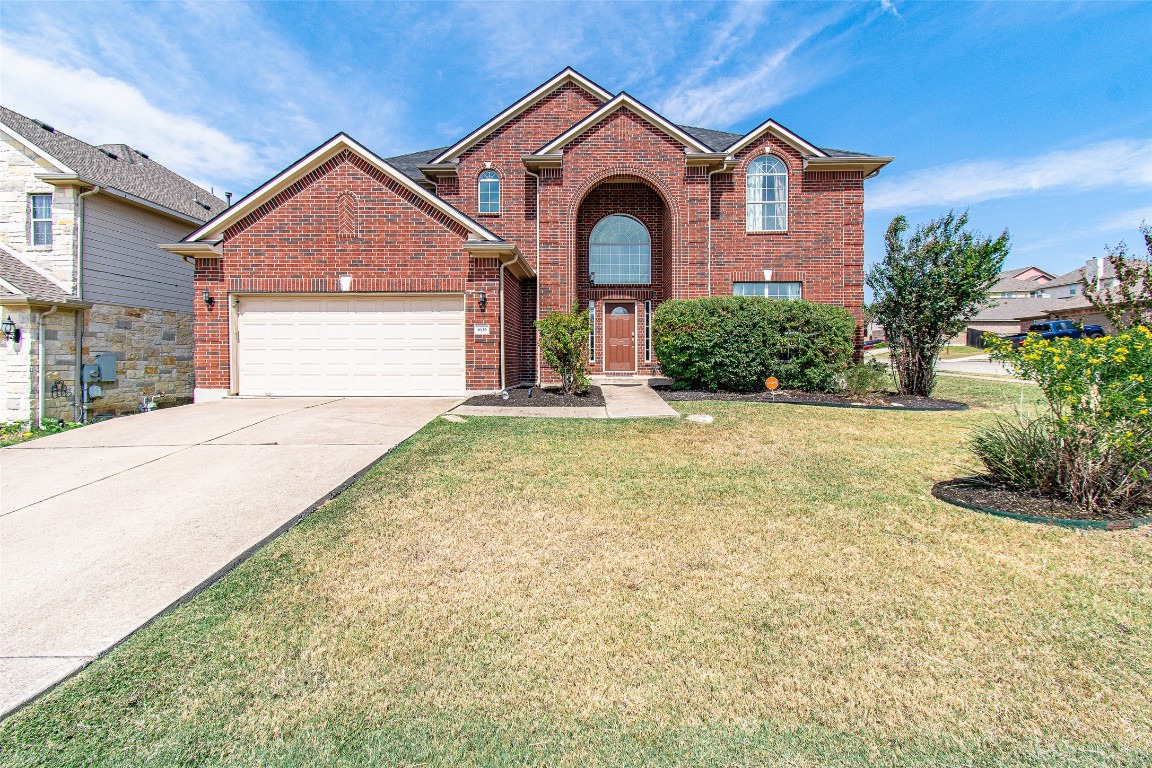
[(621, 401), (104, 527)]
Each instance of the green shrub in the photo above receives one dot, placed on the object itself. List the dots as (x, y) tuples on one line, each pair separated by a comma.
[(734, 343), (1099, 467), (860, 381), (564, 346)]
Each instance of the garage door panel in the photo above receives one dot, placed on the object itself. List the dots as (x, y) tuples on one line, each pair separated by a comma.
[(349, 345)]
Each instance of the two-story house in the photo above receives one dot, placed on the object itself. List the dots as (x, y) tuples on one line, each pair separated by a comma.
[(351, 274), (95, 316)]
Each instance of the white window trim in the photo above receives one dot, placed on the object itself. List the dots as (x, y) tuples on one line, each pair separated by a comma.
[(787, 195), (798, 283), (646, 230), (648, 331), (499, 192), (32, 221)]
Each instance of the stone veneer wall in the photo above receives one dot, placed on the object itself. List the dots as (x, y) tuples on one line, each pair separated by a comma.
[(153, 351), (18, 169)]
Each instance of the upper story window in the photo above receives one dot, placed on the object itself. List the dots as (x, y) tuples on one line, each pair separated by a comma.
[(489, 192), (619, 252), (767, 198), (770, 290), (40, 218)]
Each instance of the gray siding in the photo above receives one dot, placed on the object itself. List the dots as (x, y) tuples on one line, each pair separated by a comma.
[(122, 263)]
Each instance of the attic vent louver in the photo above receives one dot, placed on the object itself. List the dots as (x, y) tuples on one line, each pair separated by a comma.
[(112, 155), (45, 126), (205, 206)]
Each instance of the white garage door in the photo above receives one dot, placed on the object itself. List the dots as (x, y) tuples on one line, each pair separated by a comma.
[(351, 345)]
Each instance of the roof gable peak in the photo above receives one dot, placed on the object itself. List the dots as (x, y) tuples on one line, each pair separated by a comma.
[(565, 76), (214, 229), (624, 100)]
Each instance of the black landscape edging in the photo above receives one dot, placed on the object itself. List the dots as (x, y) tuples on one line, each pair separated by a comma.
[(1063, 522), (956, 407)]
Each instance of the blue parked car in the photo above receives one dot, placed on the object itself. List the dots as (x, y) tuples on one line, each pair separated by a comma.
[(1057, 329)]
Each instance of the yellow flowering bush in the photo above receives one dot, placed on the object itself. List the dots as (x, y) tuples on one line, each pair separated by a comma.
[(1094, 445), (1105, 379)]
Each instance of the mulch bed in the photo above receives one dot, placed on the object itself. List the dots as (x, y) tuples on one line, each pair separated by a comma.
[(537, 397), (881, 400), (984, 494)]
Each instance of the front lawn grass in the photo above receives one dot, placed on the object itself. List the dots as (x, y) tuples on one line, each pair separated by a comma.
[(775, 588)]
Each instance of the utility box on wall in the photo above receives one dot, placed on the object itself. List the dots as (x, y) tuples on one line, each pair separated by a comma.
[(107, 365)]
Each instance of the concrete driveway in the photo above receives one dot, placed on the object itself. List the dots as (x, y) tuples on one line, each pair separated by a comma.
[(104, 527)]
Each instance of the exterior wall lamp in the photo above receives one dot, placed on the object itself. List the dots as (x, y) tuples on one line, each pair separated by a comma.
[(208, 299), (11, 332), (482, 300)]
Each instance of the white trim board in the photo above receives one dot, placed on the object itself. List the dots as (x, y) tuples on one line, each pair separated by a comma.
[(568, 75), (622, 101)]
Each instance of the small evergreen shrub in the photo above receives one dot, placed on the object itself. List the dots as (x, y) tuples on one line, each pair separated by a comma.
[(564, 346), (733, 343)]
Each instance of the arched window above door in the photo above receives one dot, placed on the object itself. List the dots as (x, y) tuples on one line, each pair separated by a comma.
[(619, 252)]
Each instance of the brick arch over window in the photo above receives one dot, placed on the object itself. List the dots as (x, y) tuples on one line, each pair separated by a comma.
[(664, 232), (633, 198)]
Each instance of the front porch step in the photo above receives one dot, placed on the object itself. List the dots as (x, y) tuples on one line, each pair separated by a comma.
[(630, 380)]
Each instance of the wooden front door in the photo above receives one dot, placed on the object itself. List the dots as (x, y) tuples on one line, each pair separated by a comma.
[(620, 332)]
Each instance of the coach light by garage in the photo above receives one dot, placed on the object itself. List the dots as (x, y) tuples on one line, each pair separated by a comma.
[(482, 300), (11, 332)]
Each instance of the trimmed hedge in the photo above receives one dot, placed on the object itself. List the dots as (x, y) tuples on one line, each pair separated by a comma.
[(734, 343)]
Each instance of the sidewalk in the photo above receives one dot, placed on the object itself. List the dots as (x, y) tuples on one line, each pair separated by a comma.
[(621, 401)]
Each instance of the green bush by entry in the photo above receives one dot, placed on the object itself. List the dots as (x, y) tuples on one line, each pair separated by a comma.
[(734, 343)]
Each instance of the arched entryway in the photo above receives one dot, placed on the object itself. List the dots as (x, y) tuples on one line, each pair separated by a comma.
[(623, 241)]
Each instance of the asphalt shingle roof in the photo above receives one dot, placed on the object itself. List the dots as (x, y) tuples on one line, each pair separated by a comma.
[(717, 141), (120, 167), (28, 281)]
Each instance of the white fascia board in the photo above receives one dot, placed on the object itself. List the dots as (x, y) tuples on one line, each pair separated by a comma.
[(623, 100), (782, 133), (867, 165), (338, 143), (569, 75), (32, 146)]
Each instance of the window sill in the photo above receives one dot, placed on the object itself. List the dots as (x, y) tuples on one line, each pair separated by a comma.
[(765, 231), (490, 215)]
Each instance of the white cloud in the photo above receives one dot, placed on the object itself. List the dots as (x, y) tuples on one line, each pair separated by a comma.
[(707, 97), (104, 110), (1123, 162)]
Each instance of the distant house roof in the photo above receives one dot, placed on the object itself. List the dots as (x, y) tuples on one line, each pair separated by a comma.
[(21, 281), (1016, 284), (118, 166), (1023, 309)]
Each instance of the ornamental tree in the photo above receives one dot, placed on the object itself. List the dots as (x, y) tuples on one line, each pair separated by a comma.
[(926, 289), (1128, 303)]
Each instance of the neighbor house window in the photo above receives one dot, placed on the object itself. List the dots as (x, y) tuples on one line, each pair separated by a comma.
[(619, 252), (489, 192), (771, 290), (40, 214), (767, 198)]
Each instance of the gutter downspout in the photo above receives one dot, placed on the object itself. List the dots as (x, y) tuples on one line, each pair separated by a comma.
[(81, 391), (40, 368), (536, 330), (726, 167), (503, 364)]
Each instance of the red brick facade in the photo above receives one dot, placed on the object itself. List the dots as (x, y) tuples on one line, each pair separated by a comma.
[(347, 216)]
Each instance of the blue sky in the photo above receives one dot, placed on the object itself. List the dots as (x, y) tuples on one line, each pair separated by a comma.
[(1036, 117)]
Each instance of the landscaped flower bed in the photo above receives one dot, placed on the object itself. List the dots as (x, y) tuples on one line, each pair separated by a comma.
[(539, 397)]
